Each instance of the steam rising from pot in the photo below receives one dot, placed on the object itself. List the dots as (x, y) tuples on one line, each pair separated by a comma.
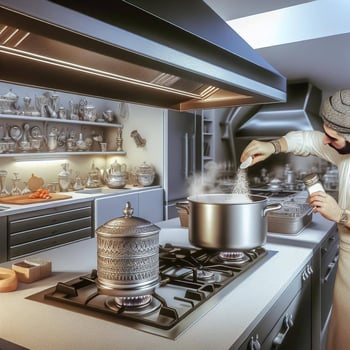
[(211, 182)]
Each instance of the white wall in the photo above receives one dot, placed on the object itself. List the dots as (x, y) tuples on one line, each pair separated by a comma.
[(148, 121)]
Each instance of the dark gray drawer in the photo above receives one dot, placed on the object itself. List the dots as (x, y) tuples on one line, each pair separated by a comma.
[(37, 219), (47, 231), (43, 244), (3, 239), (38, 230)]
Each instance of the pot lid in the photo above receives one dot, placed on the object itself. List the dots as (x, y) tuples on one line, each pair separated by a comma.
[(127, 225), (10, 96), (145, 168)]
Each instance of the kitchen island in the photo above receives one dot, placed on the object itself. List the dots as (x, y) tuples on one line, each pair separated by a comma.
[(38, 326)]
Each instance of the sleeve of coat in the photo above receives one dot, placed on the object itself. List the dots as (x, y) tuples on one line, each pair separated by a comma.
[(305, 143)]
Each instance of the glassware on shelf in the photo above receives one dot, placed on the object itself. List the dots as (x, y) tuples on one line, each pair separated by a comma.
[(28, 109), (36, 143), (81, 144), (3, 190), (78, 184), (64, 178), (61, 113), (24, 142), (15, 191), (40, 103), (73, 112), (26, 189), (54, 102), (70, 144), (7, 145), (52, 141)]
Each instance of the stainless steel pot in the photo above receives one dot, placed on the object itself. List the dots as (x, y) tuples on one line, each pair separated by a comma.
[(218, 222), (127, 256)]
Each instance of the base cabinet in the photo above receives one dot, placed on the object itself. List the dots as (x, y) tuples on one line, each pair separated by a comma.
[(147, 204), (288, 324), (151, 205), (111, 207), (39, 230), (3, 239), (33, 231)]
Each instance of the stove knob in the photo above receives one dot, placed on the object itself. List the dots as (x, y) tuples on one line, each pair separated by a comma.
[(254, 343), (309, 269), (304, 276)]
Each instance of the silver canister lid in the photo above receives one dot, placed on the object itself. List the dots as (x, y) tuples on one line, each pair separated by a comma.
[(311, 179), (127, 225)]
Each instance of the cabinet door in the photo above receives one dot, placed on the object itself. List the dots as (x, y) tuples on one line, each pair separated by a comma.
[(108, 208), (151, 205), (298, 334), (288, 323)]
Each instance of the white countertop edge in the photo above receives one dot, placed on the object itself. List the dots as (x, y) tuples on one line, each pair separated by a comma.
[(76, 198)]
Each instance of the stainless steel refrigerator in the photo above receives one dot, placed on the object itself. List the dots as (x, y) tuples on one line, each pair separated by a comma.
[(182, 156)]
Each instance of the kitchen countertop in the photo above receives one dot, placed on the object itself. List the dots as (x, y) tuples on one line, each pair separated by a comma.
[(76, 197), (310, 237), (42, 327)]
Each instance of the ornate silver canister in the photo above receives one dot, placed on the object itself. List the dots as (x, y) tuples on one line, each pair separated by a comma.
[(127, 256)]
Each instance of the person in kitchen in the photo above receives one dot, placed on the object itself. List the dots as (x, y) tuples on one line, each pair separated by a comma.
[(332, 145)]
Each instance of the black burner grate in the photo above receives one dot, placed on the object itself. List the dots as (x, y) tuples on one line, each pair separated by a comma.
[(190, 281)]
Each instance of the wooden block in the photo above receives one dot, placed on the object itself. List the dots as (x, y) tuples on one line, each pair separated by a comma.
[(31, 269), (25, 272), (45, 266)]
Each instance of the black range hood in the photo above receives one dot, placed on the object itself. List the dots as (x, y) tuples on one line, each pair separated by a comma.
[(172, 54), (300, 112)]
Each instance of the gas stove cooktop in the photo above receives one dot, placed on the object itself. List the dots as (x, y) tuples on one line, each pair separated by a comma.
[(192, 281)]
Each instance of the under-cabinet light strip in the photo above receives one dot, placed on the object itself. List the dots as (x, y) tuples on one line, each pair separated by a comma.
[(41, 160), (10, 36), (88, 70), (21, 40), (3, 29)]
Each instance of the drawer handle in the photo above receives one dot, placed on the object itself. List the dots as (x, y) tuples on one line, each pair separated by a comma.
[(254, 343), (286, 326), (331, 266)]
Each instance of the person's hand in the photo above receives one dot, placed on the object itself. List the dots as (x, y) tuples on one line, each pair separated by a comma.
[(258, 150), (326, 205)]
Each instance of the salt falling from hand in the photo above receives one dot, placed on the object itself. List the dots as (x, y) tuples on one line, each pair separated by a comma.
[(240, 191), (246, 163)]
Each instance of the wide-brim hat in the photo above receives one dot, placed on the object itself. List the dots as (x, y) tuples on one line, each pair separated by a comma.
[(335, 112)]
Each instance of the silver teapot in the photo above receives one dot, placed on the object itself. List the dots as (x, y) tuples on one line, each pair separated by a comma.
[(87, 111), (108, 116), (8, 103), (116, 176)]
